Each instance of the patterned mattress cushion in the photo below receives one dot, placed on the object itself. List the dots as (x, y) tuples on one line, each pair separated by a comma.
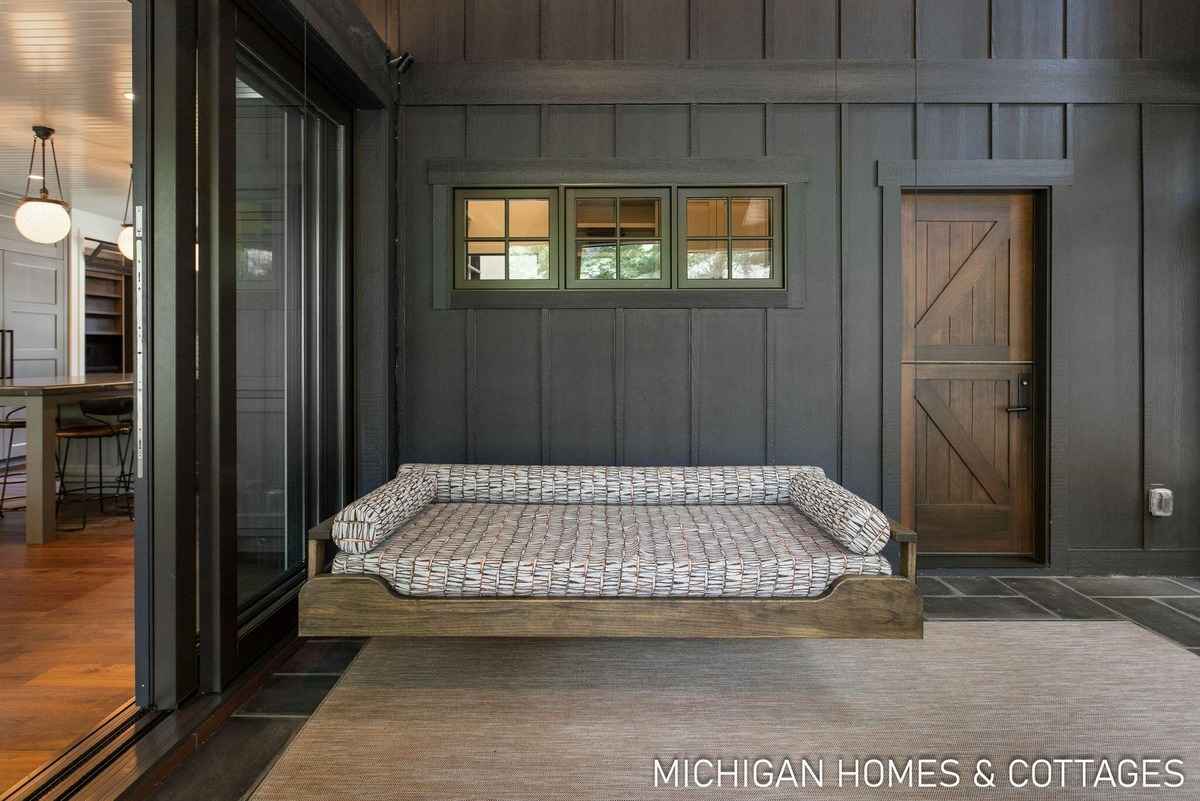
[(373, 518), (841, 514), (488, 483), (488, 549)]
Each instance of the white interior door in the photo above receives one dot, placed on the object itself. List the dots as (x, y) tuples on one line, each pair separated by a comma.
[(33, 298)]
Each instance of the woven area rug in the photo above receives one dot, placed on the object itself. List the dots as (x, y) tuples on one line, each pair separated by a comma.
[(587, 719)]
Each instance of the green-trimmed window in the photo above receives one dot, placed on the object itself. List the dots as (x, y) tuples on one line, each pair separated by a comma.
[(618, 238), (730, 238), (506, 239)]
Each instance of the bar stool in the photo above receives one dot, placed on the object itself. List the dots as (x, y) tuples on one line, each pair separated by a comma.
[(98, 430), (117, 413), (87, 433), (7, 423)]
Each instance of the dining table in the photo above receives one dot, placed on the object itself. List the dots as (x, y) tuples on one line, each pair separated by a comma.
[(42, 397)]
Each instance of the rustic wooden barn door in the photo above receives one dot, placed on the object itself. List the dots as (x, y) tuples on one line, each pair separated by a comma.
[(969, 405)]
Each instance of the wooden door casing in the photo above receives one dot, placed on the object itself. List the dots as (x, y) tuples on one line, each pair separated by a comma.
[(968, 374)]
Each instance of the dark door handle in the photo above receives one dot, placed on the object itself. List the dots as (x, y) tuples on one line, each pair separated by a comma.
[(1024, 382)]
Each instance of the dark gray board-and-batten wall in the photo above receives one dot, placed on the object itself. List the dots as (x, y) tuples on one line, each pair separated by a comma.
[(785, 384)]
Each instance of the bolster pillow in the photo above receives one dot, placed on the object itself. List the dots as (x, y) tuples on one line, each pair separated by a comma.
[(370, 520), (841, 514), (598, 484)]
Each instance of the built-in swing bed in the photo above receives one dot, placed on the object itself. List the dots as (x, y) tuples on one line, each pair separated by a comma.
[(530, 551)]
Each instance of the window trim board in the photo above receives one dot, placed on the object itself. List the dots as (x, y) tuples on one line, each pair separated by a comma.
[(763, 170)]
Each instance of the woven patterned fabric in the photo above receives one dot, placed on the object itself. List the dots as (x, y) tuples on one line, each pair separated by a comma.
[(485, 483), (841, 514), (570, 550), (371, 519)]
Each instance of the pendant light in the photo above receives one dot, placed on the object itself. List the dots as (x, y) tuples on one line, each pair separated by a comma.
[(125, 238), (43, 219)]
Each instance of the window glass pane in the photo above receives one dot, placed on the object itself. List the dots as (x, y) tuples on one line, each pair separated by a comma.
[(485, 218), (706, 216), (707, 258), (528, 260), (752, 258), (596, 260), (639, 217), (485, 261), (641, 259), (529, 217), (595, 217), (751, 216)]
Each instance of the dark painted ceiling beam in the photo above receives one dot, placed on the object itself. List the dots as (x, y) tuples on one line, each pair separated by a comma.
[(812, 81)]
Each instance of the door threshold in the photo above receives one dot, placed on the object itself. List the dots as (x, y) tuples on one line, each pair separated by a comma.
[(979, 564), (62, 776), (132, 750)]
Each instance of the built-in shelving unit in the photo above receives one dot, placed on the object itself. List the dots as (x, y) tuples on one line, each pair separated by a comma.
[(105, 309)]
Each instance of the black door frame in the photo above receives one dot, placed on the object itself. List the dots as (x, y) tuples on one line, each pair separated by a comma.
[(187, 632), (164, 81)]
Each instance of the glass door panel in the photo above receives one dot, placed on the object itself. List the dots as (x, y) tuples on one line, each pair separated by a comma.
[(270, 224), (326, 192)]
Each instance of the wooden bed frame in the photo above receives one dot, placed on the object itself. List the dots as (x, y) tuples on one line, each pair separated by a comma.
[(863, 607)]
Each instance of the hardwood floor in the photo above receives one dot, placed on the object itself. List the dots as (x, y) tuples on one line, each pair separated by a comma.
[(66, 637)]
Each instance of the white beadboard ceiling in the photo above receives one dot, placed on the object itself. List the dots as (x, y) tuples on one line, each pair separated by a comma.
[(68, 64)]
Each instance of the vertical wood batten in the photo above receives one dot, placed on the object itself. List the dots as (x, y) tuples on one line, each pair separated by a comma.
[(893, 296), (769, 328), (693, 394), (400, 357), (768, 18), (993, 129), (618, 369), (1143, 531), (472, 386), (618, 37), (544, 382), (843, 216)]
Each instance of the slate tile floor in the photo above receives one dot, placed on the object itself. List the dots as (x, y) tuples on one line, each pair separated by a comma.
[(1168, 606), (229, 765)]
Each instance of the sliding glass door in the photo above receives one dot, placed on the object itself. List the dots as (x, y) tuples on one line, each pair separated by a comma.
[(289, 261), (271, 194), (243, 426), (273, 341)]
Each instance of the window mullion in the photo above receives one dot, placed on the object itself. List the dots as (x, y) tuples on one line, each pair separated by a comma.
[(617, 236), (729, 237)]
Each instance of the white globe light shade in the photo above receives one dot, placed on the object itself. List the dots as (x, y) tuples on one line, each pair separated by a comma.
[(43, 221), (125, 241)]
